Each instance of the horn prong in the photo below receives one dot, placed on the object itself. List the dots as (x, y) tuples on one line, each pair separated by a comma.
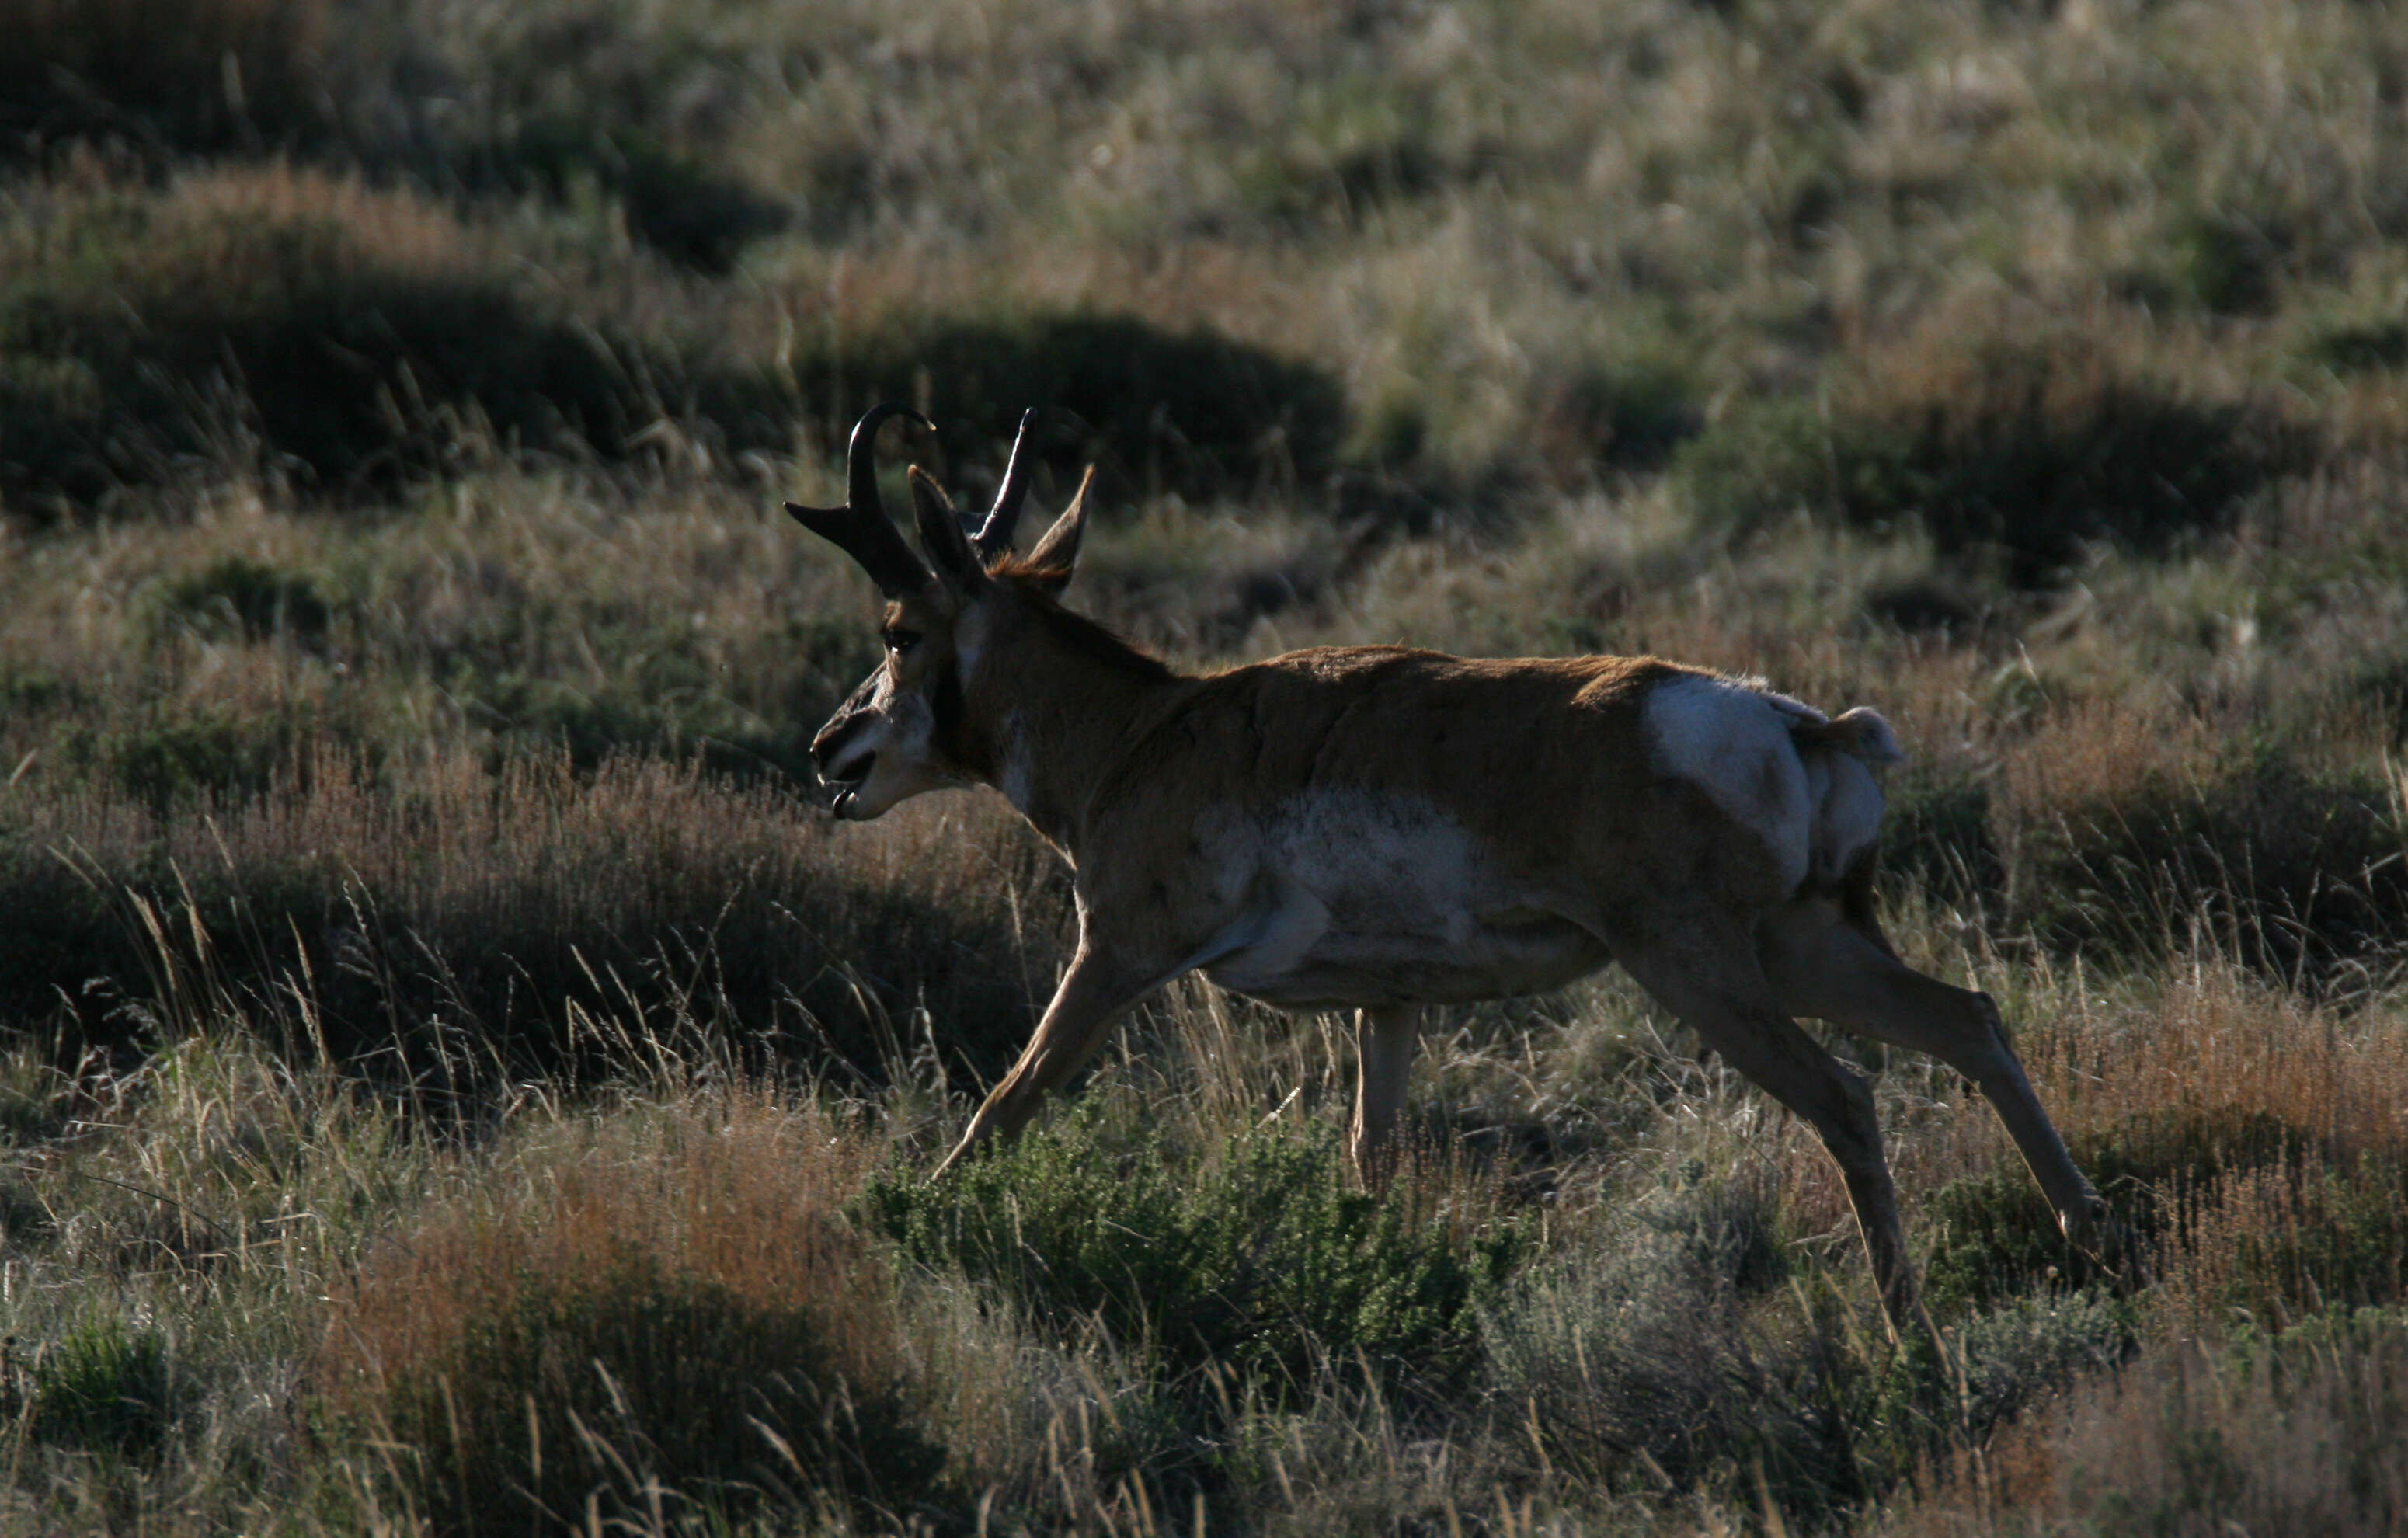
[(994, 535)]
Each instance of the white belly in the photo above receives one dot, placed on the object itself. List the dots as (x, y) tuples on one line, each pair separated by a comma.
[(1355, 898)]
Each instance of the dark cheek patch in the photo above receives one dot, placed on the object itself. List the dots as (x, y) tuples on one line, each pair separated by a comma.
[(946, 707)]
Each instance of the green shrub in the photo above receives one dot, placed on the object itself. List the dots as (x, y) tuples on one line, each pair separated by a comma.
[(1630, 417), (672, 201), (1641, 1362), (1653, 1368), (1304, 188), (1266, 1258), (1932, 1395), (1936, 835), (2221, 262), (2028, 1348), (178, 761), (2364, 347), (105, 1387)]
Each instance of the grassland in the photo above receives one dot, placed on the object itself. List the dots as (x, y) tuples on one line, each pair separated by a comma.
[(451, 1081)]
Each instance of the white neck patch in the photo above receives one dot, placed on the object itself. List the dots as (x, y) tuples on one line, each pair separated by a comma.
[(1018, 781)]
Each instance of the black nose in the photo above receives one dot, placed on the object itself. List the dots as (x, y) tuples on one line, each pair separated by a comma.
[(834, 743), (831, 739)]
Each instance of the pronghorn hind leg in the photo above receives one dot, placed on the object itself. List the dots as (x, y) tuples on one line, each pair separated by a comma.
[(1704, 972), (1828, 967), (1092, 994), (1384, 1040)]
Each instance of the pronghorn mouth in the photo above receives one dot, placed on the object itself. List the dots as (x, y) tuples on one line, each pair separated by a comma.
[(846, 782)]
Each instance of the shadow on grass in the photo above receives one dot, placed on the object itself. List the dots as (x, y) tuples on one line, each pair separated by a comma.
[(332, 334), (2002, 437), (467, 922)]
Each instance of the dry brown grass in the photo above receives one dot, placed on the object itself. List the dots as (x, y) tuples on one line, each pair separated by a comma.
[(668, 1310), (2301, 1436)]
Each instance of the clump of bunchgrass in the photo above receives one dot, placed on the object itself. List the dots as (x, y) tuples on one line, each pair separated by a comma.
[(678, 1313)]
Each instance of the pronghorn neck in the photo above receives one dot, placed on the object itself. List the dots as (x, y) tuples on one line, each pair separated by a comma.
[(1055, 693)]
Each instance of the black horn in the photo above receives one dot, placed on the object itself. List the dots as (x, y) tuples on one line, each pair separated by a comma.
[(861, 528), (993, 537)]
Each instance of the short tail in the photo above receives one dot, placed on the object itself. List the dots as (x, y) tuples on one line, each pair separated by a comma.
[(1859, 733)]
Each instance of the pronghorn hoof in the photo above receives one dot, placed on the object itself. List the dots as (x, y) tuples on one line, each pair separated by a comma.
[(2110, 1245)]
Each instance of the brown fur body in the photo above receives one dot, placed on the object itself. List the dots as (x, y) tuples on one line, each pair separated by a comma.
[(1383, 828)]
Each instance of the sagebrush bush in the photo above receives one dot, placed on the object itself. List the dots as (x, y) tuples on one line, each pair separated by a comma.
[(1653, 1368), (1264, 1258), (686, 1312), (238, 599), (1645, 1368)]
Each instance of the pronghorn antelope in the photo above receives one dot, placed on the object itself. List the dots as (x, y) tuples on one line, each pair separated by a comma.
[(1382, 829)]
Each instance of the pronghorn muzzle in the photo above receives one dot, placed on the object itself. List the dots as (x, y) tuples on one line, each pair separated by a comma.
[(846, 749)]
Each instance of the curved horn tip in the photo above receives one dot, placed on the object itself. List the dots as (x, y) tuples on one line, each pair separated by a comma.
[(993, 535), (876, 417)]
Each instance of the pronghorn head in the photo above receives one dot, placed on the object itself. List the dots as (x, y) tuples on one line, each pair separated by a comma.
[(918, 722)]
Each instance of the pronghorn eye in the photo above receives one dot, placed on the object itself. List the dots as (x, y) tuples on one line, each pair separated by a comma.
[(902, 641)]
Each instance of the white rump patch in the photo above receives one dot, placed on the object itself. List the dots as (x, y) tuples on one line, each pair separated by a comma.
[(1802, 780), (1875, 743), (1731, 740), (1847, 811)]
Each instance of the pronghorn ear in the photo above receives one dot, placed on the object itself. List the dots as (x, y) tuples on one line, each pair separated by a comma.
[(947, 547), (1057, 554)]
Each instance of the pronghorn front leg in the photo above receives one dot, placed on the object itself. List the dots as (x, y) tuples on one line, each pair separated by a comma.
[(1384, 1040), (1092, 995)]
